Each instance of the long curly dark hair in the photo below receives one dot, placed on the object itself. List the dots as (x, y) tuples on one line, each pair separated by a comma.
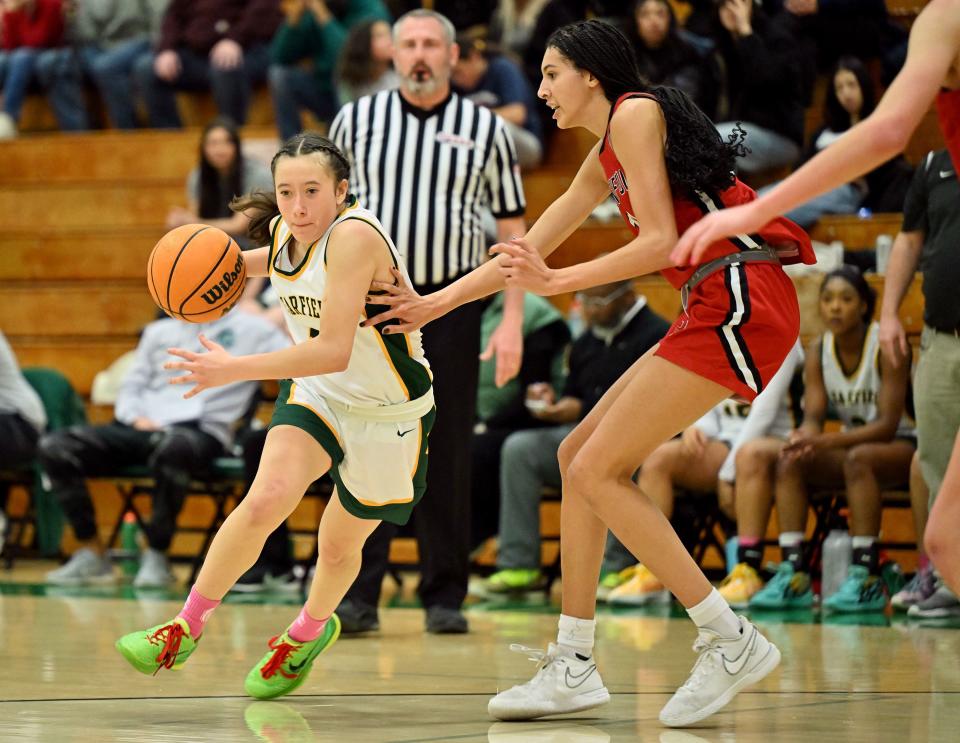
[(261, 206), (697, 157)]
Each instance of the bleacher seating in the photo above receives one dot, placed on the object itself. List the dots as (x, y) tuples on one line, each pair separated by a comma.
[(82, 212)]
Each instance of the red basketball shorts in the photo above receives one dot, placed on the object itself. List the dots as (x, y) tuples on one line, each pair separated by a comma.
[(739, 325)]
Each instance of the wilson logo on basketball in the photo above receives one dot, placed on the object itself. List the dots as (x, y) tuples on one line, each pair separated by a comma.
[(229, 278)]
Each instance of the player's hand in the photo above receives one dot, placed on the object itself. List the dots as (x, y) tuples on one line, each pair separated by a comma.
[(694, 440), (206, 370), (178, 216), (713, 227), (800, 445), (506, 344), (801, 7), (166, 65), (523, 267), (893, 340), (142, 423), (403, 304), (226, 55)]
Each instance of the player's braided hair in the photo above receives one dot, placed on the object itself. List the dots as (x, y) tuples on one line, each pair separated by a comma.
[(261, 206), (697, 157)]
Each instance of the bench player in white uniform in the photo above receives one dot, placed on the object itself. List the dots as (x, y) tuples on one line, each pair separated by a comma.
[(845, 373), (352, 402)]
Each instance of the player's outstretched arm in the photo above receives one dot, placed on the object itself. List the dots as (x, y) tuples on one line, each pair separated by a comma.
[(256, 261), (351, 265), (934, 46)]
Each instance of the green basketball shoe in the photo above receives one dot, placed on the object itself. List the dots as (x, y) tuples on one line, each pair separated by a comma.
[(787, 589), (859, 592), (164, 646), (288, 663)]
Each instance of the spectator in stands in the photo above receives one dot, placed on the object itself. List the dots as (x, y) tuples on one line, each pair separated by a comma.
[(222, 174), (664, 56), (26, 28), (365, 65), (845, 372), (490, 79), (512, 24), (621, 328), (220, 45), (691, 462), (928, 240), (501, 410), (861, 28), (107, 37), (155, 427), (750, 470), (760, 84), (463, 14), (850, 98), (22, 420), (311, 31)]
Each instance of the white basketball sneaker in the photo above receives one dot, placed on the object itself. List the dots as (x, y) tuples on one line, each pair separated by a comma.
[(723, 669), (563, 683)]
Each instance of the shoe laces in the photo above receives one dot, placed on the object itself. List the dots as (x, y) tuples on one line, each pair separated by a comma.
[(707, 647), (170, 635), (543, 658), (282, 652)]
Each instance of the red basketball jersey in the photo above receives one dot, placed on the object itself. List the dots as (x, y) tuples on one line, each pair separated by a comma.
[(788, 239), (948, 109)]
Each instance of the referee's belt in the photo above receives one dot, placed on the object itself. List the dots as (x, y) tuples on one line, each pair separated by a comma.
[(765, 254), (411, 410)]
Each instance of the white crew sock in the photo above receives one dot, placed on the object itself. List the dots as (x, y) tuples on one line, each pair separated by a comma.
[(715, 614), (576, 634)]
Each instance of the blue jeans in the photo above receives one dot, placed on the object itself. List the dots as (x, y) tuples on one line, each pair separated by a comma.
[(845, 199), (293, 89), (231, 88), (768, 149), (16, 73), (60, 74), (112, 71)]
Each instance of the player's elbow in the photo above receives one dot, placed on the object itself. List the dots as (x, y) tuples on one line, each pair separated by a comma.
[(890, 134), (338, 362)]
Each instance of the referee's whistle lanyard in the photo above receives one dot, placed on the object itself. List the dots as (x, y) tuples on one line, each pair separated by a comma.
[(764, 254)]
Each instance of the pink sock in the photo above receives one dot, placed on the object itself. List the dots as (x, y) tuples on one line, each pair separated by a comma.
[(305, 628), (749, 541), (923, 562), (197, 611)]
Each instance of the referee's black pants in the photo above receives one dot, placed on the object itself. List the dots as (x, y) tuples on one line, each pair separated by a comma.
[(442, 518)]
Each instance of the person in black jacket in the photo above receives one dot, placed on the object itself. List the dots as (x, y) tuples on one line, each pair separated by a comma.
[(760, 86)]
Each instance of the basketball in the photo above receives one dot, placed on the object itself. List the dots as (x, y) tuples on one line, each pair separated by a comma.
[(196, 273)]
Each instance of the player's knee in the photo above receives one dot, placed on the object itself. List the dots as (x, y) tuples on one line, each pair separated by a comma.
[(567, 452), (752, 461), (335, 553), (269, 503), (857, 464)]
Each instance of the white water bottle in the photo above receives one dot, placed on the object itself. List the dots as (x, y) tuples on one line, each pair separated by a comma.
[(837, 556), (883, 247)]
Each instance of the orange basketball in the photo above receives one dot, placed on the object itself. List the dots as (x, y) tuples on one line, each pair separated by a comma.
[(196, 273)]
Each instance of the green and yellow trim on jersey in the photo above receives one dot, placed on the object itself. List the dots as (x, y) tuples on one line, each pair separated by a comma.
[(289, 412)]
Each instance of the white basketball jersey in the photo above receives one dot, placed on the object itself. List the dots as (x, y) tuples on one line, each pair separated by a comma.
[(383, 369), (731, 415), (854, 398)]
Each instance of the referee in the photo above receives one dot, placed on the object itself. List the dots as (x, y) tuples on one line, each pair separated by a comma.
[(428, 163)]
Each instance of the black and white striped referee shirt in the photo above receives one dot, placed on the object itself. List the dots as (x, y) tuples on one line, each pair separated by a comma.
[(428, 175)]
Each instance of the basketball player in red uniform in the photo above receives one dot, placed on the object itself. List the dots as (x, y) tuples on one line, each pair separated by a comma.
[(931, 72), (666, 166)]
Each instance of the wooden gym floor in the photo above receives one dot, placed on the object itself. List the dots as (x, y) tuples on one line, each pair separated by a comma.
[(61, 679)]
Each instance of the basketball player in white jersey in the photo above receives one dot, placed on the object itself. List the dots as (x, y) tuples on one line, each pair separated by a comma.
[(352, 402), (845, 373)]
